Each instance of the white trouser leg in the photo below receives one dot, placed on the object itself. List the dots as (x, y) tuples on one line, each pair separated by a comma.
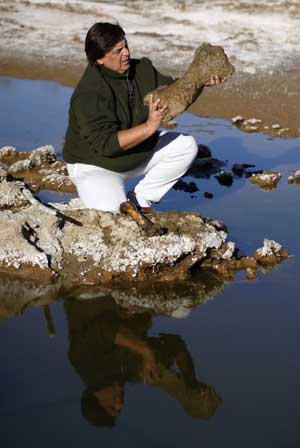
[(105, 190), (97, 187), (173, 155)]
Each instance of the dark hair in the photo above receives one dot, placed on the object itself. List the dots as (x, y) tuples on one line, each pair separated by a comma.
[(94, 413), (100, 39)]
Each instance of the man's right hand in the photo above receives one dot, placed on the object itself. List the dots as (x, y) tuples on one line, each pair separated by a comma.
[(156, 114)]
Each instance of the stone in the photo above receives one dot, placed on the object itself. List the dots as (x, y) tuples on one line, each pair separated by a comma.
[(237, 120), (270, 254), (225, 178), (208, 60), (252, 121), (251, 274), (249, 262), (297, 176), (267, 180), (203, 152), (241, 168), (190, 187)]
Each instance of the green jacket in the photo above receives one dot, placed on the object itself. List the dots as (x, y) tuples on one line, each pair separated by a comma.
[(99, 108)]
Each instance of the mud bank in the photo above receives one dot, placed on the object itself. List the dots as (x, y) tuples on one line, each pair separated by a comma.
[(45, 40)]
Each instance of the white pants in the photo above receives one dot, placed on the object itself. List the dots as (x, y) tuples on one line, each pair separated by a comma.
[(105, 190)]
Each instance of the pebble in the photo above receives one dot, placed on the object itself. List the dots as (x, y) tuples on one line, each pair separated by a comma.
[(297, 176), (225, 178), (291, 180), (251, 274), (237, 119), (252, 121)]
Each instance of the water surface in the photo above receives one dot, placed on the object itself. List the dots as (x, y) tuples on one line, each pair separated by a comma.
[(241, 345)]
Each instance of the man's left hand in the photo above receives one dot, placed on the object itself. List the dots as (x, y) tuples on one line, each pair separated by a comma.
[(215, 80)]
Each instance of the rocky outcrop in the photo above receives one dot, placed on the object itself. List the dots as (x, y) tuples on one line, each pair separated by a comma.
[(208, 60), (88, 246), (40, 168), (66, 242)]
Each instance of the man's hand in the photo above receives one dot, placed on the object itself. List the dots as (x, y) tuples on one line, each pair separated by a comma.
[(156, 114), (215, 80)]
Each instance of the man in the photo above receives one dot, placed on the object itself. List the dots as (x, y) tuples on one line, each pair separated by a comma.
[(112, 136)]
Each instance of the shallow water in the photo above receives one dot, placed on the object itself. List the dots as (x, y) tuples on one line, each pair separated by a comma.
[(243, 343)]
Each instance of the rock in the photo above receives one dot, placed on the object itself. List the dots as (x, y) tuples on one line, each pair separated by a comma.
[(203, 152), (249, 262), (270, 254), (225, 178), (70, 244), (208, 195), (204, 168), (297, 176), (252, 121), (39, 168), (251, 274), (291, 180), (240, 168), (251, 128), (208, 60), (92, 247), (266, 180), (276, 126), (190, 187), (237, 120)]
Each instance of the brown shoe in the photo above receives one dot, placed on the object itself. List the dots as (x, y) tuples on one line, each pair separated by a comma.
[(147, 210), (130, 209), (144, 210)]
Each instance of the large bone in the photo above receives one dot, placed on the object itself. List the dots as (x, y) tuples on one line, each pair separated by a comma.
[(208, 60)]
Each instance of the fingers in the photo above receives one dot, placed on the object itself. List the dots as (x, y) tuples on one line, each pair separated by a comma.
[(163, 110), (153, 104), (215, 79)]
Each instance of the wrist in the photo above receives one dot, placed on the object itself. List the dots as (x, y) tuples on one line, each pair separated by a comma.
[(150, 129)]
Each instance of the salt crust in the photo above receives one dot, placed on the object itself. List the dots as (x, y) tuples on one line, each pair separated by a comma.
[(270, 247)]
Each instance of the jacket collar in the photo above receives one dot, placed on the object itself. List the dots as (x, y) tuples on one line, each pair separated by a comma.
[(111, 73)]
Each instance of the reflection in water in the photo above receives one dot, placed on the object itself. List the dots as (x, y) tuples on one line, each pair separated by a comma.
[(109, 347), (176, 299)]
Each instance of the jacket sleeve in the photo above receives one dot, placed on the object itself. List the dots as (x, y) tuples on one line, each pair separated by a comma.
[(98, 124)]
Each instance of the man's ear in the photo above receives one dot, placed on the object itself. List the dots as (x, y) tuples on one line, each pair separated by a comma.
[(99, 61)]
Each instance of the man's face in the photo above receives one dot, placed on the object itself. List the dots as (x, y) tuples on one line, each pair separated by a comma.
[(117, 58), (111, 398)]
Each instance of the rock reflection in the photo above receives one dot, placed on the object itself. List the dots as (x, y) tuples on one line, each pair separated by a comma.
[(109, 347), (175, 299)]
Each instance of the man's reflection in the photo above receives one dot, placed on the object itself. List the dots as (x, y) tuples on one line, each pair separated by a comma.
[(109, 347)]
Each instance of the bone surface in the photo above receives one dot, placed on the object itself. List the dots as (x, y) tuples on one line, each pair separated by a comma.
[(208, 60)]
